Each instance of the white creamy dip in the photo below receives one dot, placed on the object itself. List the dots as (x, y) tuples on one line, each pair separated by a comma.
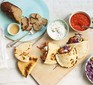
[(57, 30)]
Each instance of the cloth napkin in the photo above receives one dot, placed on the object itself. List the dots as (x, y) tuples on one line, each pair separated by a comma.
[(3, 52)]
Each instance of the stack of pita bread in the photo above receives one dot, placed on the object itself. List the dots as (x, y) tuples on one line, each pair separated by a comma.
[(66, 56), (26, 61)]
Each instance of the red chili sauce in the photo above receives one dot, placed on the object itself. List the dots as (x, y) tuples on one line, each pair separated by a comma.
[(78, 20)]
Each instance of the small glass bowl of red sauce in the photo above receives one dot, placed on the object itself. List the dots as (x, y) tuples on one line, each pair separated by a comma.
[(79, 19)]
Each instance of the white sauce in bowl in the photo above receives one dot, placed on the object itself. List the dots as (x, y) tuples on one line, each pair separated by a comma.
[(56, 30)]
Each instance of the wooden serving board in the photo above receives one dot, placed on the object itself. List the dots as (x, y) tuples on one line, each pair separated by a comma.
[(46, 74)]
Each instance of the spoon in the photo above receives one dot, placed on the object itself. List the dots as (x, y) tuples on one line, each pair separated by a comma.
[(86, 27), (11, 44)]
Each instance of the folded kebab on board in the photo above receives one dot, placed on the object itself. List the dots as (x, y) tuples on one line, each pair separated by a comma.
[(76, 48), (81, 44), (48, 52)]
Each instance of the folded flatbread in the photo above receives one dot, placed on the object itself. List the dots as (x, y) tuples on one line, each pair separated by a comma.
[(81, 45), (26, 67), (68, 58), (22, 51), (81, 48), (76, 48), (49, 51)]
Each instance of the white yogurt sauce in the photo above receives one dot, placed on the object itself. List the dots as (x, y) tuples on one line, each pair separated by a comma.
[(57, 30)]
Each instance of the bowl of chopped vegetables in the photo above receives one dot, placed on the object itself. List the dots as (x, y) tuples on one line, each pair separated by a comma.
[(89, 69)]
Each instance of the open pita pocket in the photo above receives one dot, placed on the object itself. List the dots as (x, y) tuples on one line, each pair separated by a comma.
[(77, 38), (49, 51), (22, 51), (26, 67), (67, 59)]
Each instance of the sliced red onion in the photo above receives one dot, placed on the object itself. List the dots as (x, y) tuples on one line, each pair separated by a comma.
[(89, 70)]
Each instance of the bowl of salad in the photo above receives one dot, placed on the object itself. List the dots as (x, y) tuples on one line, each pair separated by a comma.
[(89, 69)]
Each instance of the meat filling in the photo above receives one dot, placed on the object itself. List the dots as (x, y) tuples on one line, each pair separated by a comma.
[(75, 39), (64, 49), (44, 50)]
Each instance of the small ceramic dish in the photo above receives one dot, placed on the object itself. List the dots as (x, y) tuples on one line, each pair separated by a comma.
[(13, 29), (79, 19), (58, 29), (89, 69)]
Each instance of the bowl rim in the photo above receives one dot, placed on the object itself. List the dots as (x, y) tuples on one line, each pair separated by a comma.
[(73, 13), (8, 28), (85, 68), (59, 20)]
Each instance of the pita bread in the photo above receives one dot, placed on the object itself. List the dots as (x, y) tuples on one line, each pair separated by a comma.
[(78, 50), (67, 59), (82, 48), (52, 50), (22, 51), (26, 67)]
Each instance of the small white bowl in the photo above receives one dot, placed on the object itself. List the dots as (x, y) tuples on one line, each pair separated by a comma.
[(53, 35), (76, 13), (86, 69), (10, 25)]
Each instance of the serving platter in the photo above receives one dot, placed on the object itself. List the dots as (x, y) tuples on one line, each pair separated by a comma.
[(28, 7)]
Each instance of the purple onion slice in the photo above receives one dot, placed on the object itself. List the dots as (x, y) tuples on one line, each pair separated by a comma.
[(89, 69)]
